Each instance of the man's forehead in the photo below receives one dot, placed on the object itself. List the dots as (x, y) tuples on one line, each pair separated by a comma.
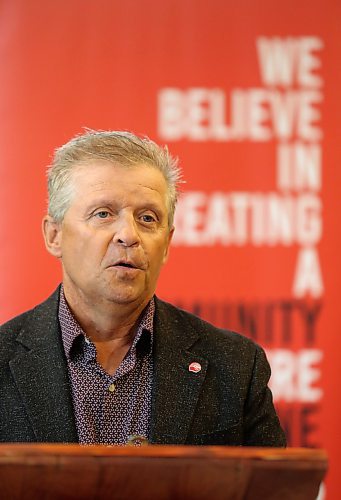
[(105, 169), (100, 171), (103, 180)]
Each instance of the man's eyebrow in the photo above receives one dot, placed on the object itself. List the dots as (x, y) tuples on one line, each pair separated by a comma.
[(111, 203), (100, 202)]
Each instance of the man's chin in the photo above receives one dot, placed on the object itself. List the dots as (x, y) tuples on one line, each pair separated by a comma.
[(126, 297), (123, 300)]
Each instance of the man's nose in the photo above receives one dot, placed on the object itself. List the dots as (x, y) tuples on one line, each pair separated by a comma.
[(126, 231)]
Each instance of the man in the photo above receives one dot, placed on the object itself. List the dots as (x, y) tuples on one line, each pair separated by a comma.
[(103, 359)]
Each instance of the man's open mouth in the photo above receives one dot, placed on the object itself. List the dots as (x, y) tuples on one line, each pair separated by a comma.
[(129, 265)]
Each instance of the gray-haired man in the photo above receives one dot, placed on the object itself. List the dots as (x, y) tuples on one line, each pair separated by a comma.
[(103, 359)]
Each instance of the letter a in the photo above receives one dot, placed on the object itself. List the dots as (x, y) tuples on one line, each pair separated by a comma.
[(308, 276)]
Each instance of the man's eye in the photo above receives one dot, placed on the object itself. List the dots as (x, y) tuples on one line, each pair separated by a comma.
[(148, 218), (103, 214)]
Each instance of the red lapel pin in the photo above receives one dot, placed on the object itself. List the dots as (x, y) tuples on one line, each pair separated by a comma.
[(194, 367)]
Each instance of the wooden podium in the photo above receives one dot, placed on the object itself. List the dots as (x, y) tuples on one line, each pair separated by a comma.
[(57, 471)]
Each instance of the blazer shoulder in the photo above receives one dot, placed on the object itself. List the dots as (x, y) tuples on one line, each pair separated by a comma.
[(14, 325), (38, 314), (206, 332)]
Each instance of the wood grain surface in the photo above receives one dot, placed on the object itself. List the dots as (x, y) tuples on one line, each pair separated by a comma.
[(62, 471)]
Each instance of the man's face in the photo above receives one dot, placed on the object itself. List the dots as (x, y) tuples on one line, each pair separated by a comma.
[(115, 237)]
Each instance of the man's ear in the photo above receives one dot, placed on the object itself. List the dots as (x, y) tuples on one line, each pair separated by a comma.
[(52, 232), (170, 236)]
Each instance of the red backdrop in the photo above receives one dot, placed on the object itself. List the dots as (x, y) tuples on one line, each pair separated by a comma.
[(247, 94)]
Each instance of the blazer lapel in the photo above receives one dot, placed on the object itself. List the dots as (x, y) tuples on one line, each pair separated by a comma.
[(40, 373), (176, 389)]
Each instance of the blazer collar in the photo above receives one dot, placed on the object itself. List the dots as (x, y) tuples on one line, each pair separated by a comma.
[(176, 389), (40, 373)]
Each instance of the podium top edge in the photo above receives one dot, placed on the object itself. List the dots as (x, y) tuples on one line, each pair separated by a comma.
[(159, 451)]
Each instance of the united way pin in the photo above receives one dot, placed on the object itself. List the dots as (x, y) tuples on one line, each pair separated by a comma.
[(194, 367)]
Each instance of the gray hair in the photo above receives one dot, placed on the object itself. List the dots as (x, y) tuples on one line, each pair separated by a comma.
[(118, 147)]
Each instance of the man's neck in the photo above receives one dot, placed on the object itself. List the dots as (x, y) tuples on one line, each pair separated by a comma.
[(104, 321)]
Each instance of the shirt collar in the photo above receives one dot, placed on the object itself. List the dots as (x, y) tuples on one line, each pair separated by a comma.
[(71, 329)]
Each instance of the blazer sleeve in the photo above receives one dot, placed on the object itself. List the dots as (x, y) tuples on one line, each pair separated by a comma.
[(261, 424)]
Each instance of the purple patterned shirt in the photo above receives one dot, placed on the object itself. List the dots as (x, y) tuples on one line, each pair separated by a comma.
[(109, 408)]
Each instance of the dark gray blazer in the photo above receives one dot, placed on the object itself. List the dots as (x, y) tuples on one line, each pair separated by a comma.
[(227, 402)]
